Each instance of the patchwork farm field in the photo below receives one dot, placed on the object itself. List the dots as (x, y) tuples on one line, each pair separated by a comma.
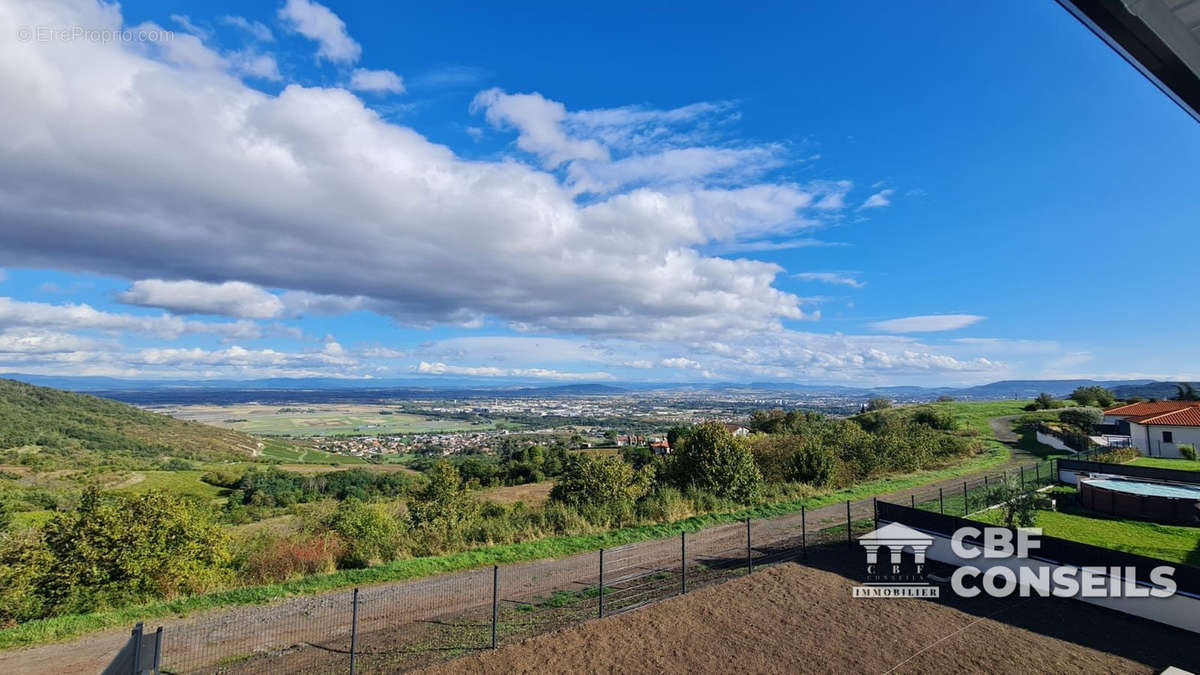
[(319, 419)]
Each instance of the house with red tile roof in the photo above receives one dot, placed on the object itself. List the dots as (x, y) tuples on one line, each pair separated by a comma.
[(1158, 428)]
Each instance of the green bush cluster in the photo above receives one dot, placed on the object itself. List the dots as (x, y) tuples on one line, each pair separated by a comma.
[(1093, 397), (1082, 418), (514, 465), (111, 550), (276, 487)]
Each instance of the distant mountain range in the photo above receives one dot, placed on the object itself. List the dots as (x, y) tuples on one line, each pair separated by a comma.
[(1163, 390), (181, 391)]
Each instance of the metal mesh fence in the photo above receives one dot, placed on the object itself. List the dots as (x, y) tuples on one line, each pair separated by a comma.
[(972, 495), (401, 626)]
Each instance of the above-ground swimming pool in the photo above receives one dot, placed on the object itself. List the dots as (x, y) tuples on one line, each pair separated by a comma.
[(1171, 503)]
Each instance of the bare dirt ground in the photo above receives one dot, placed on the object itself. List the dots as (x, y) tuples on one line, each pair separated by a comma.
[(795, 619)]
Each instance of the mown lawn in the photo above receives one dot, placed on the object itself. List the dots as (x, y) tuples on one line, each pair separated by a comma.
[(1165, 542), (1165, 463)]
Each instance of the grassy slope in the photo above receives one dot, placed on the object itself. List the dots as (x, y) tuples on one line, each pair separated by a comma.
[(1165, 463), (42, 417), (183, 483), (973, 415), (976, 415), (1166, 542)]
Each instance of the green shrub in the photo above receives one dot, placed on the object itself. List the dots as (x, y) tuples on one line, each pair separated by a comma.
[(1081, 417), (940, 418), (815, 464), (1045, 401), (442, 512), (177, 464), (1118, 456), (709, 459), (600, 481), (369, 532), (287, 558), (1018, 506), (115, 548), (24, 559), (226, 478), (664, 504), (1188, 451), (774, 454), (1095, 397)]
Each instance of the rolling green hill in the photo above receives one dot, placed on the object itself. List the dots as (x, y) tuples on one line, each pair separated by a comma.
[(50, 428)]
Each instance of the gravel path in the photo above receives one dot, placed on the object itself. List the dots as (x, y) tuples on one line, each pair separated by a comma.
[(205, 638)]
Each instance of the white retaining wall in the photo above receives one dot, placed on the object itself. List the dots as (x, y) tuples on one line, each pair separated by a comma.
[(1054, 442)]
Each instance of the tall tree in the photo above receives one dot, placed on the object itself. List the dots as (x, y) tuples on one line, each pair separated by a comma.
[(1186, 392)]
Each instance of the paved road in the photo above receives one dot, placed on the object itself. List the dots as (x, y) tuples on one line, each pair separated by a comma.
[(205, 639)]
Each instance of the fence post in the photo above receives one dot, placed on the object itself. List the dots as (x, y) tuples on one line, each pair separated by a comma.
[(749, 555), (495, 602), (966, 510), (354, 632), (158, 636), (137, 648), (875, 511), (941, 502), (985, 487), (849, 542), (682, 563), (601, 583), (803, 532)]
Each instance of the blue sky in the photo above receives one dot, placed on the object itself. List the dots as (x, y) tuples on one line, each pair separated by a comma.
[(902, 193)]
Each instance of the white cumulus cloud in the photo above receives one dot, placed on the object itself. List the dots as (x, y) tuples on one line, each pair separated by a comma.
[(230, 298), (317, 23), (378, 81)]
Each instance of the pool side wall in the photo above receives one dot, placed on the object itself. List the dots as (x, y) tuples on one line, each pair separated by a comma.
[(1165, 510)]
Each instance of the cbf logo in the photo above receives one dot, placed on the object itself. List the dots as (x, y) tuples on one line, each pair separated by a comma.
[(999, 562), (893, 578)]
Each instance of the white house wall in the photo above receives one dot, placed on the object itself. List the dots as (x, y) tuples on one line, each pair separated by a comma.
[(1154, 447)]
